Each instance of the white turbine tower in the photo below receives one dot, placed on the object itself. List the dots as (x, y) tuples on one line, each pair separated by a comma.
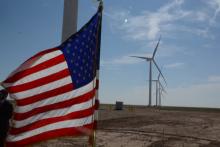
[(159, 89), (150, 60), (70, 13), (159, 92)]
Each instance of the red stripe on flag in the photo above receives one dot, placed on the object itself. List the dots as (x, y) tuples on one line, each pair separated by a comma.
[(39, 82), (37, 56), (44, 122), (63, 104), (83, 130), (39, 67), (45, 95), (43, 53)]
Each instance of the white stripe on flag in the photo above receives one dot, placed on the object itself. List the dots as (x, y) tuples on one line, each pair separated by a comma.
[(54, 113), (41, 89), (39, 74), (59, 98), (55, 99), (40, 59), (50, 127)]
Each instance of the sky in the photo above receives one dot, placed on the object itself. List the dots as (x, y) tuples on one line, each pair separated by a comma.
[(188, 52)]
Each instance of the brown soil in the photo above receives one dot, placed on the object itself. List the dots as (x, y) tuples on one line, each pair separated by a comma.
[(150, 127)]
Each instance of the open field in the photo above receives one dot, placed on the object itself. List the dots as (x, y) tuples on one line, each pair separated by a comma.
[(150, 127)]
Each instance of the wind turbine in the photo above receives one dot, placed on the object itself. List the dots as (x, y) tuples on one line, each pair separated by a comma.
[(150, 60), (160, 92), (159, 89)]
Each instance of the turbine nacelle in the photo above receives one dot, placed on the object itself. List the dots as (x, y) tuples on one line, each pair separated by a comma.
[(151, 59)]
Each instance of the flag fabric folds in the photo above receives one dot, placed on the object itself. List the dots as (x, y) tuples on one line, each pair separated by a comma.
[(55, 89)]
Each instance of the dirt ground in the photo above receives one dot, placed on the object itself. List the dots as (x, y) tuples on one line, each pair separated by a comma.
[(150, 127)]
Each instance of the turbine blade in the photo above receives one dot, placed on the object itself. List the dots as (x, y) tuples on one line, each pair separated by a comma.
[(163, 90), (155, 50), (146, 58), (162, 87), (160, 71), (158, 77)]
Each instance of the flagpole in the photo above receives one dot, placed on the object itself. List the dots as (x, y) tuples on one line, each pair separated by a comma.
[(98, 45)]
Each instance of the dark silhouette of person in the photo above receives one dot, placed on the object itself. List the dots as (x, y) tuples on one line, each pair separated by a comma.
[(6, 111)]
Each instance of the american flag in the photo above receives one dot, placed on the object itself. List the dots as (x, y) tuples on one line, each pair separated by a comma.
[(55, 89)]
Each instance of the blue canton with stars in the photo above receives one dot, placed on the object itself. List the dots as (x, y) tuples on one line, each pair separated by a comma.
[(81, 53)]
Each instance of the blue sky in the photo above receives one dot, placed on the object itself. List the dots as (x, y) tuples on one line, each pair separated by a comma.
[(189, 50)]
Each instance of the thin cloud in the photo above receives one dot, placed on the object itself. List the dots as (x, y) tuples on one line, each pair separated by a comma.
[(214, 78), (166, 20), (147, 25), (215, 4), (174, 65)]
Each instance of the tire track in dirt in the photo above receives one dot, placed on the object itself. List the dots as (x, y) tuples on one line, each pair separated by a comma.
[(158, 134)]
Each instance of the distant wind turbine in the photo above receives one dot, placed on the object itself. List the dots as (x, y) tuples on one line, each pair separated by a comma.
[(159, 89), (160, 92), (150, 60)]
